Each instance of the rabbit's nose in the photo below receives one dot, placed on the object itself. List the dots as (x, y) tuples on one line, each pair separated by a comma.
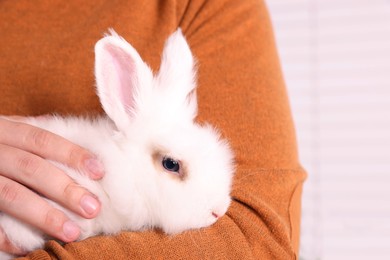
[(215, 215)]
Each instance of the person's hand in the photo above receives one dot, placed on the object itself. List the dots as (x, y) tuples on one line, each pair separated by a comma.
[(25, 173)]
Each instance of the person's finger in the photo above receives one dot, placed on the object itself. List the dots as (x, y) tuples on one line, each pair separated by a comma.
[(50, 146), (29, 207), (43, 177), (15, 118), (8, 247)]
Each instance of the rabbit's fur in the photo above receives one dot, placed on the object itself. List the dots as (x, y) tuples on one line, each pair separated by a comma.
[(149, 118)]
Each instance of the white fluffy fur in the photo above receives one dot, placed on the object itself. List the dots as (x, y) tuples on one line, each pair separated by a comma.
[(146, 113)]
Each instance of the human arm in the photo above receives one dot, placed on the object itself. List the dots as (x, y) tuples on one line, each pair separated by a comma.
[(241, 91)]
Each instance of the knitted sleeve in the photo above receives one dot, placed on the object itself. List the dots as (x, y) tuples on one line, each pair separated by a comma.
[(241, 91)]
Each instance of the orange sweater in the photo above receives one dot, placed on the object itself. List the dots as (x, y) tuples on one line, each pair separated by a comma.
[(46, 66)]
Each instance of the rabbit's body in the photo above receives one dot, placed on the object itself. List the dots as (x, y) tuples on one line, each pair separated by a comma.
[(115, 191), (162, 169)]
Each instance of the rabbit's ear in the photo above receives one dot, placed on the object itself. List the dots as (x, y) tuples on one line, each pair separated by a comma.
[(178, 72), (119, 72)]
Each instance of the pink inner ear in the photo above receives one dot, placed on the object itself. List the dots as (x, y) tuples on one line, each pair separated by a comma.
[(121, 76)]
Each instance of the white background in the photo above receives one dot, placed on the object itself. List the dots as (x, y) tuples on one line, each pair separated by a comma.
[(336, 60)]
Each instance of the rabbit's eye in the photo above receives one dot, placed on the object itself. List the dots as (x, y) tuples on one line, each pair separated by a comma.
[(171, 167), (170, 164)]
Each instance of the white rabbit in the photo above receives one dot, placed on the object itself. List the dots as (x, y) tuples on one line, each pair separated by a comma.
[(163, 170)]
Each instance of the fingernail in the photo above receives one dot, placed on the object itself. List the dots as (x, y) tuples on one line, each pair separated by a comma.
[(95, 167), (71, 230), (89, 204)]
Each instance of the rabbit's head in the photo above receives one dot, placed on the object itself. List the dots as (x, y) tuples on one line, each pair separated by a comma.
[(187, 169)]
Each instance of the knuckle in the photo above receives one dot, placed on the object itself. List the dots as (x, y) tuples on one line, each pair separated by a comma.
[(75, 155), (9, 193), (54, 219), (39, 138), (29, 165), (72, 192)]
